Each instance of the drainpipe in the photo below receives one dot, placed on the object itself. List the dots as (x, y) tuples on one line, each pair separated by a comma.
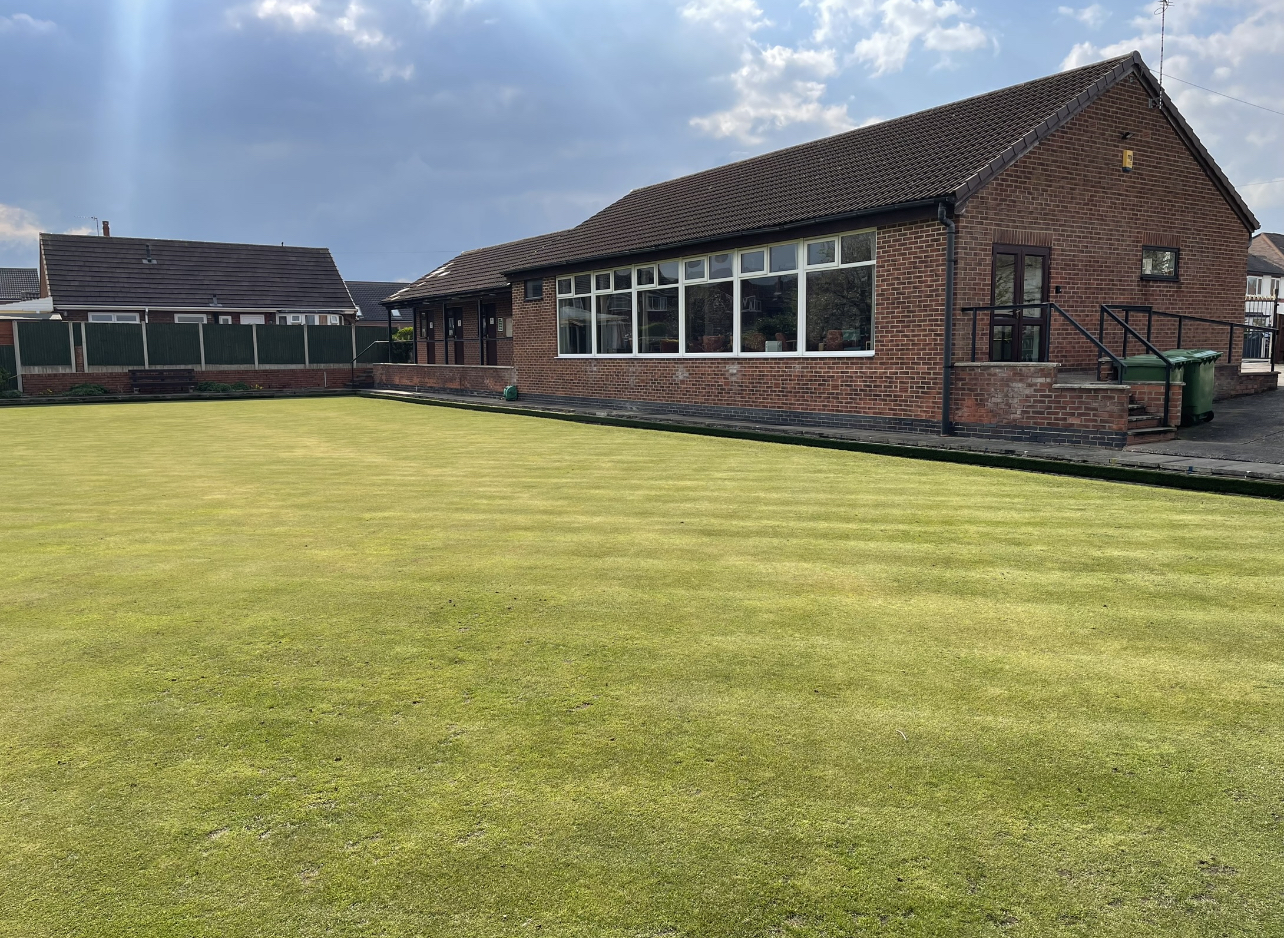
[(947, 426)]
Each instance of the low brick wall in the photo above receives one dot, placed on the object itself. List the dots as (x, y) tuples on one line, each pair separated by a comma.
[(1022, 401), (117, 382), (1230, 382), (472, 378)]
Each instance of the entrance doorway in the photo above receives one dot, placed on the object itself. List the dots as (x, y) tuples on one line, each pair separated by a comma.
[(427, 324), (1019, 332), (489, 335), (455, 333)]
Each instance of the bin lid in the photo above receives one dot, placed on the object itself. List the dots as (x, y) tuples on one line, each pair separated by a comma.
[(1149, 361), (1200, 355)]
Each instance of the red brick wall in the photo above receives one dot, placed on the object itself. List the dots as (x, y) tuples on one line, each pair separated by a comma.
[(6, 332), (471, 346), (1150, 394), (1026, 395), (1228, 382), (444, 377), (1071, 194), (902, 380), (117, 382)]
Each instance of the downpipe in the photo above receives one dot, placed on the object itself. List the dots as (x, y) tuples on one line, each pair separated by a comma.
[(947, 366)]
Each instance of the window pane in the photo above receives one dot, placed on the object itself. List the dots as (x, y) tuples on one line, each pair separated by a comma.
[(751, 262), (646, 276), (820, 252), (623, 279), (583, 283), (601, 282), (840, 310), (784, 257), (535, 289), (769, 314), (669, 272), (1033, 281), (1005, 280), (720, 267), (1001, 344), (695, 269), (658, 320), (564, 285), (615, 324), (1159, 262), (710, 313), (858, 248), (573, 335), (1030, 347)]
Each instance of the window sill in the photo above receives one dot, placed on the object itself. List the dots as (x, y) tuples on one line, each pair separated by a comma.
[(1145, 279), (725, 356)]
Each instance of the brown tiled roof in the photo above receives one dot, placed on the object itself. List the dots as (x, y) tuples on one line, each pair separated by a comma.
[(944, 154), (481, 269), (89, 271), (1257, 264), (1269, 245), (19, 283)]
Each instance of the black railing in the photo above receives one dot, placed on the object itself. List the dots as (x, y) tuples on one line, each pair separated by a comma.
[(1182, 319), (1128, 330), (1046, 310)]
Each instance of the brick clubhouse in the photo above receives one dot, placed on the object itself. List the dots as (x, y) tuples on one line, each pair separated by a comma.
[(814, 285)]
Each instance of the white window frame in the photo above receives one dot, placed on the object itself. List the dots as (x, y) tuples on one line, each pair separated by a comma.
[(800, 271), (253, 319), (191, 318), (115, 317)]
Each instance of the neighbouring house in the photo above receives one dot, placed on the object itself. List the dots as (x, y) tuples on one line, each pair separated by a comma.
[(368, 294), (1266, 265), (18, 284), (946, 271), (132, 313)]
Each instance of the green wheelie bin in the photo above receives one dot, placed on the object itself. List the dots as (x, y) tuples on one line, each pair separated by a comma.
[(1195, 368)]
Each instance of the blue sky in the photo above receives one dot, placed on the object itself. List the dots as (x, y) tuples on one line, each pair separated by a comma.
[(399, 132)]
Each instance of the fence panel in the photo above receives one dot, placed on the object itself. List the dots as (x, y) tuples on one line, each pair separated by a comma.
[(329, 345), (372, 344), (280, 345), (229, 345), (173, 344), (8, 369), (112, 343), (44, 344)]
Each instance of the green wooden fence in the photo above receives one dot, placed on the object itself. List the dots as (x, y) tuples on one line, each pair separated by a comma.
[(8, 369), (44, 344), (173, 344), (329, 345), (229, 345), (372, 344), (280, 345), (112, 344)]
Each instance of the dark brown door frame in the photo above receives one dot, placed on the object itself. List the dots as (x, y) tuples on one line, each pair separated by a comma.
[(486, 329), (1020, 321)]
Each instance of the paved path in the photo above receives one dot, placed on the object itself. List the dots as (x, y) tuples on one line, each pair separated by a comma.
[(1246, 449)]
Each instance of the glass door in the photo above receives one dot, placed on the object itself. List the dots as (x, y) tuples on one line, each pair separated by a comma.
[(1019, 322)]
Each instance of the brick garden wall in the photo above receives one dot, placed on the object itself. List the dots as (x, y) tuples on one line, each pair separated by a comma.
[(478, 378), (117, 382), (1023, 401), (1070, 194)]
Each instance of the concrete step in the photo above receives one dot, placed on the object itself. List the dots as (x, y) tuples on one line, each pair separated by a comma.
[(1142, 421), (1150, 435)]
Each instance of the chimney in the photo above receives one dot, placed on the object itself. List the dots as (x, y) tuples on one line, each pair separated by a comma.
[(106, 229)]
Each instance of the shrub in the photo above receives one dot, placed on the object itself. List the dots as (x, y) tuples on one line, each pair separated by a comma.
[(86, 390), (213, 387), (240, 386), (404, 334), (10, 394)]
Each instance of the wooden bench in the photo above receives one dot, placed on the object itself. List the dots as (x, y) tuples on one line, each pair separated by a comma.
[(162, 380)]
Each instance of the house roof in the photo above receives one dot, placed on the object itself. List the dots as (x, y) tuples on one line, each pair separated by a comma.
[(478, 270), (1268, 244), (91, 271), (1261, 265), (19, 283), (367, 294), (944, 154)]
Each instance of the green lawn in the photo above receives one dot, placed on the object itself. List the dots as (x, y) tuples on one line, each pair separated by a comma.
[(353, 667)]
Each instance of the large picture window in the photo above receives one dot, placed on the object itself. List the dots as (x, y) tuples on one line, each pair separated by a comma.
[(810, 297)]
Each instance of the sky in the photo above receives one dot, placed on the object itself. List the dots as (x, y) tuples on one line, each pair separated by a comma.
[(400, 132)]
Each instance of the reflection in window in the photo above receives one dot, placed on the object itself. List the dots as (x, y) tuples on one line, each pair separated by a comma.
[(695, 269), (720, 267), (769, 314), (668, 273), (784, 257), (1005, 280), (752, 262), (574, 336), (615, 324), (601, 282), (710, 316), (583, 283), (1033, 291), (658, 320), (623, 279), (820, 252), (646, 276), (840, 310), (563, 285), (859, 248), (1159, 263)]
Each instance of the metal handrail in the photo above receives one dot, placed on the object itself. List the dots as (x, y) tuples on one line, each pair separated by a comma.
[(991, 310), (1129, 330), (1183, 318), (1101, 346)]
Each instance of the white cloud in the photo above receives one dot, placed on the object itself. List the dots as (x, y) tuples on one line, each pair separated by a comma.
[(775, 87), (17, 224), (735, 16), (351, 20), (25, 23), (436, 10), (904, 22), (1091, 16)]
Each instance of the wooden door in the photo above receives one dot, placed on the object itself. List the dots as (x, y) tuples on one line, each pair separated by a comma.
[(1019, 293), (428, 325), (486, 329)]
